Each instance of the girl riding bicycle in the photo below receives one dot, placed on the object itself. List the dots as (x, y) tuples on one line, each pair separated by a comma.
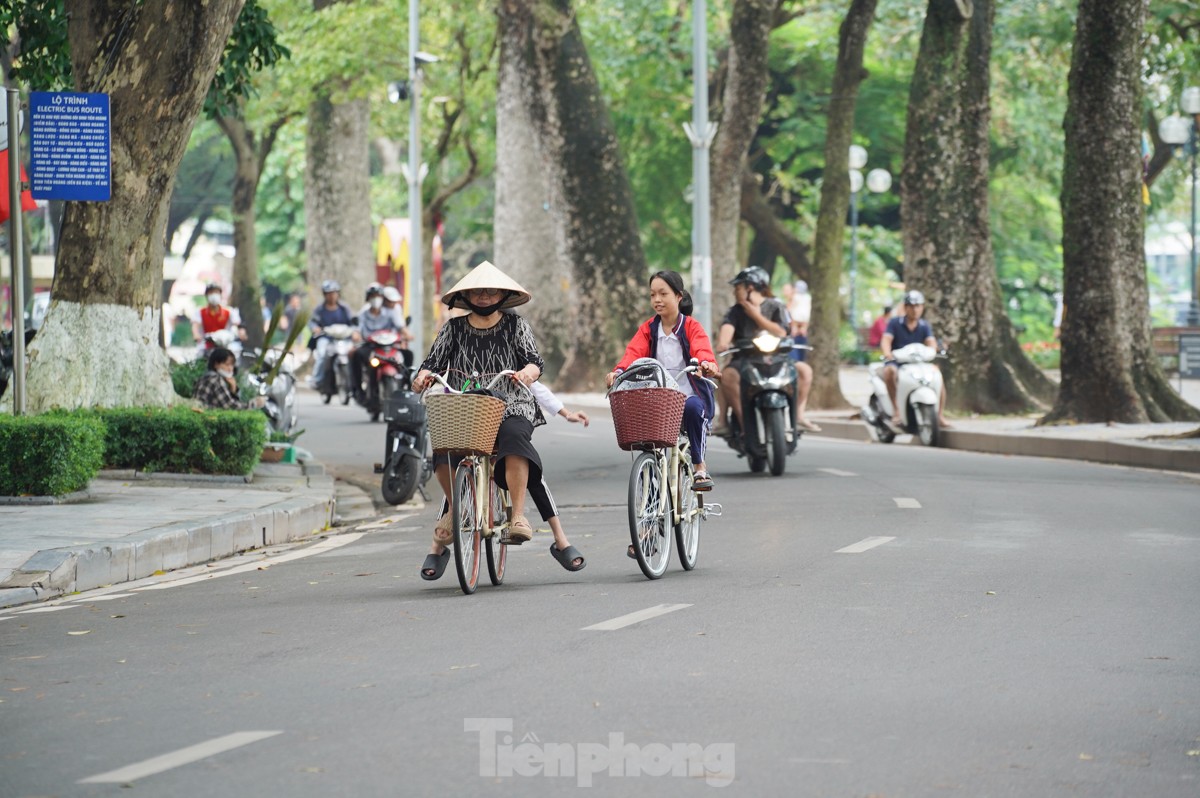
[(673, 338), (487, 341)]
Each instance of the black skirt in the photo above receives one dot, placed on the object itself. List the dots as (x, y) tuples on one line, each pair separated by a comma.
[(516, 437)]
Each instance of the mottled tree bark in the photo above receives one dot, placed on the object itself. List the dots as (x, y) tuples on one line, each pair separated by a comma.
[(100, 342), (944, 202), (250, 153), (337, 192), (771, 231), (591, 200), (1109, 371), (523, 229), (826, 281), (745, 88)]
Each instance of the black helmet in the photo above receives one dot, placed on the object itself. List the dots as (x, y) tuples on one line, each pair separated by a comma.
[(914, 297), (374, 289), (208, 289), (755, 277), (330, 287)]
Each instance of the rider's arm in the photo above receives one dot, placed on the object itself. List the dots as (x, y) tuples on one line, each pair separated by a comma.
[(756, 315), (545, 397), (700, 348), (885, 346), (724, 337), (527, 351)]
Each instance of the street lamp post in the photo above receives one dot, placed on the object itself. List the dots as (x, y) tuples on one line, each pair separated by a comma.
[(414, 173), (878, 181), (1175, 130), (700, 132)]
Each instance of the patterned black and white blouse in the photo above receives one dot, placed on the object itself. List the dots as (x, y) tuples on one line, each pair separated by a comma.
[(510, 344)]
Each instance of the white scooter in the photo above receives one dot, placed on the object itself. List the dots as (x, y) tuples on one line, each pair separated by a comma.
[(337, 369), (918, 389)]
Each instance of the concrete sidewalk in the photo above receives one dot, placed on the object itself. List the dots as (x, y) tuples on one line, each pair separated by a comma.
[(129, 526)]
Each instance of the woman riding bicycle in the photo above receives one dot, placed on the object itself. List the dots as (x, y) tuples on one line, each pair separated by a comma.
[(673, 338), (487, 341)]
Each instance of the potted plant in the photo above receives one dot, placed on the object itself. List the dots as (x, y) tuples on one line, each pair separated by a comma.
[(280, 447)]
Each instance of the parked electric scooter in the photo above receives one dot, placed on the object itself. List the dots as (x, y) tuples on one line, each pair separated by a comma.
[(918, 391), (407, 465), (7, 353), (280, 408), (768, 387), (337, 372)]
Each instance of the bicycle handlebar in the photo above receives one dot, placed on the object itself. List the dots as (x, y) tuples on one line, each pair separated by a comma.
[(496, 379)]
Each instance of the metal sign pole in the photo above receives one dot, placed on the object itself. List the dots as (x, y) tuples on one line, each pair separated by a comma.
[(701, 133), (16, 249), (416, 250)]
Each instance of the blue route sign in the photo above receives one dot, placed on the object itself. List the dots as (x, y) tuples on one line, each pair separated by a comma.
[(70, 136)]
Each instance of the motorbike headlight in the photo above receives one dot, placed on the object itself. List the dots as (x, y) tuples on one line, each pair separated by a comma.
[(766, 342), (374, 362)]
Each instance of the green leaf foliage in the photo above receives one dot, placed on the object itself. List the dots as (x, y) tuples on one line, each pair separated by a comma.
[(43, 60), (49, 455)]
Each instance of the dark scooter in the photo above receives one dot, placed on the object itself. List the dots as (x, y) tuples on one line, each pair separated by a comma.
[(768, 387), (7, 353), (407, 465)]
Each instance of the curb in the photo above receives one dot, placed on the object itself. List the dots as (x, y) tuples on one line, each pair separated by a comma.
[(53, 572), (1112, 452)]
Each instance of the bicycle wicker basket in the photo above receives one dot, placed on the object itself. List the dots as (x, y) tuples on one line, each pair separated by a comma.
[(463, 423), (647, 417)]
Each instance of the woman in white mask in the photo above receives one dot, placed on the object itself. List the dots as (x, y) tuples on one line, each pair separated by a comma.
[(217, 388)]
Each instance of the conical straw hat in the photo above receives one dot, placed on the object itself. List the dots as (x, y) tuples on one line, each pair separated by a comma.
[(485, 275)]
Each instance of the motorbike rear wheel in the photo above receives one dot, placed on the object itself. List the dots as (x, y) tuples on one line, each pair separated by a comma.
[(400, 479), (342, 377), (776, 442), (879, 431)]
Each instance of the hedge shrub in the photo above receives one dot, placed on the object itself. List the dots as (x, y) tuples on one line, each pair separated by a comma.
[(183, 439), (49, 455), (185, 375)]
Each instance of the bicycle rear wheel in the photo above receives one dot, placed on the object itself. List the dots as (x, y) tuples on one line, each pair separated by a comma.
[(687, 528), (466, 530), (498, 516), (650, 515)]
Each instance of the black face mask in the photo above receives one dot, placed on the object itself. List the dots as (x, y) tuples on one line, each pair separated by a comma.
[(485, 310)]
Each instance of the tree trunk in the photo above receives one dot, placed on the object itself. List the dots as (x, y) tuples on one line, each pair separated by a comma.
[(944, 201), (523, 229), (826, 321), (1109, 371), (591, 200), (337, 193), (742, 101), (99, 345), (250, 154), (758, 214)]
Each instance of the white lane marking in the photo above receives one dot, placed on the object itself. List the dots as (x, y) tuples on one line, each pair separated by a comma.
[(105, 597), (382, 522), (837, 472), (634, 617), (54, 608), (907, 504), (261, 565), (865, 544), (7, 617), (184, 756)]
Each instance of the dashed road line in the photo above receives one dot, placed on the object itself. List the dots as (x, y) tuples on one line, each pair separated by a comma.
[(865, 544), (105, 597), (174, 759), (907, 504), (837, 472), (634, 617), (53, 608)]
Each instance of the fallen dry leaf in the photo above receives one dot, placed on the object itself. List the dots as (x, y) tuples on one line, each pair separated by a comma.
[(369, 573)]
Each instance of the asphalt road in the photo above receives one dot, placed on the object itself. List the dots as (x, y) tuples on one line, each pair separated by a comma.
[(879, 621)]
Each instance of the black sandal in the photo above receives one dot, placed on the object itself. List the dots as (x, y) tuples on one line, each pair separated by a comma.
[(702, 482), (435, 563), (567, 557)]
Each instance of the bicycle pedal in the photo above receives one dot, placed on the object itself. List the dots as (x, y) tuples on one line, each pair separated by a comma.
[(712, 510)]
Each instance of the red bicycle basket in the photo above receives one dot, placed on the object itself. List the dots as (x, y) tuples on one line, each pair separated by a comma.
[(647, 417)]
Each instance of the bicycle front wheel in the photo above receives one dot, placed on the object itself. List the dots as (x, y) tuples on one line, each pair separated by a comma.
[(650, 515), (497, 550), (687, 528), (466, 529)]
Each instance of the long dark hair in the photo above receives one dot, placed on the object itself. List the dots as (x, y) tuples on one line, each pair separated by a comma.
[(675, 283)]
